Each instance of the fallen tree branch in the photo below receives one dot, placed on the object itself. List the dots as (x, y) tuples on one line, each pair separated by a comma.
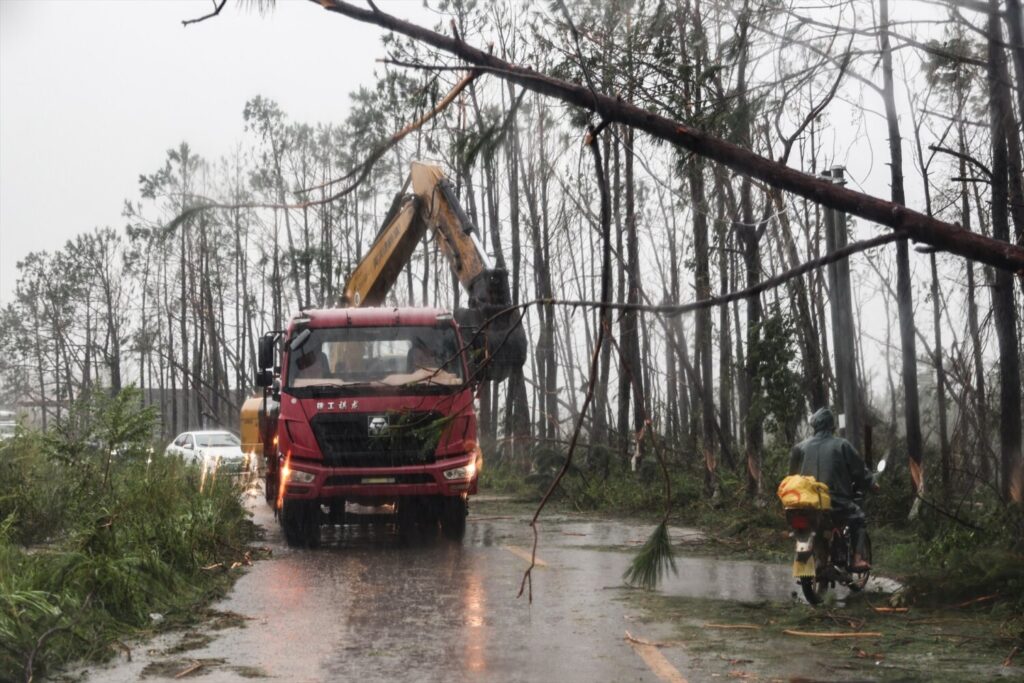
[(946, 236), (380, 150), (360, 172), (678, 309), (595, 357), (216, 11)]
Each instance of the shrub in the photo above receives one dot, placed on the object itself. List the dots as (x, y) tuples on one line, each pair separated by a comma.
[(116, 534)]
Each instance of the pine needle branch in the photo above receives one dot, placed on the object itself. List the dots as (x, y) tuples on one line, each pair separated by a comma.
[(653, 561)]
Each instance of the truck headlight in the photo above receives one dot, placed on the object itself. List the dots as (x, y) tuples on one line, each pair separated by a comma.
[(300, 477), (464, 472)]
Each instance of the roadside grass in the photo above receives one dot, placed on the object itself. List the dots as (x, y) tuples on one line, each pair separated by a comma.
[(745, 640), (99, 535)]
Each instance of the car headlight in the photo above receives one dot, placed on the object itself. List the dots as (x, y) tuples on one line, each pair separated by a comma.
[(464, 472), (300, 477)]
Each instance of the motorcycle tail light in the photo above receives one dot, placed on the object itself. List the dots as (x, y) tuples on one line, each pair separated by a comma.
[(800, 522)]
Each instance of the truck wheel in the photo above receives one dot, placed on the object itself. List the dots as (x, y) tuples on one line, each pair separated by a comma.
[(300, 521), (453, 517), (337, 515), (407, 518)]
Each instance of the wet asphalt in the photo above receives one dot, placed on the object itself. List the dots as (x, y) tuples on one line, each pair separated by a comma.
[(368, 607)]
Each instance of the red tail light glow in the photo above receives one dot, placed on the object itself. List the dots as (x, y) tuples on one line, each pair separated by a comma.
[(800, 522)]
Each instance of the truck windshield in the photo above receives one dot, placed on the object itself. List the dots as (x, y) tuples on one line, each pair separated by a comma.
[(347, 359)]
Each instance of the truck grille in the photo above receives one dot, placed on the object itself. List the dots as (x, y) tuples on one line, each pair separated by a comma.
[(378, 440)]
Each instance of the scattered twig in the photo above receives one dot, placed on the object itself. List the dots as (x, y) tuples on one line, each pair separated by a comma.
[(123, 648), (738, 627), (1013, 653), (891, 610), (849, 621), (975, 601), (195, 666), (833, 634), (652, 643)]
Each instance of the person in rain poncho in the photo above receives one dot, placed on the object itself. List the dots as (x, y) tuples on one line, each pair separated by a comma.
[(834, 461)]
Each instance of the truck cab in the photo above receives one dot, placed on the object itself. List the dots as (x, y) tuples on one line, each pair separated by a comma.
[(375, 408)]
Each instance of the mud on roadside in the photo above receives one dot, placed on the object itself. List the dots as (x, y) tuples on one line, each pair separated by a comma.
[(748, 641)]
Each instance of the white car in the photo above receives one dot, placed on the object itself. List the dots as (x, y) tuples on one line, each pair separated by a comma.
[(214, 450)]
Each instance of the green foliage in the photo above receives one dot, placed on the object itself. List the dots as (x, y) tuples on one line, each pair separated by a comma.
[(944, 560), (653, 561), (781, 404), (114, 535)]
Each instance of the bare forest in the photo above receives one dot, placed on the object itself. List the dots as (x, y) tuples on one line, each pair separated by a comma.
[(734, 305)]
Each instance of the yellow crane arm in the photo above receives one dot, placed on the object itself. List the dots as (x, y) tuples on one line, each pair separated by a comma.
[(455, 234), (433, 206), (377, 272)]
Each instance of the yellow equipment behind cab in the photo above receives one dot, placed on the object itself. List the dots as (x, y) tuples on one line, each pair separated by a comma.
[(257, 429)]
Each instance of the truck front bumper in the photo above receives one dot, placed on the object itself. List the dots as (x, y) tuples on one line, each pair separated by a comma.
[(308, 480)]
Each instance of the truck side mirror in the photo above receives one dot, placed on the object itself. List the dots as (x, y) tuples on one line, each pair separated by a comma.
[(264, 378), (266, 353)]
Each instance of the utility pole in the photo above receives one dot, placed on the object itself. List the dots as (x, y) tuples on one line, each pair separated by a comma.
[(841, 298)]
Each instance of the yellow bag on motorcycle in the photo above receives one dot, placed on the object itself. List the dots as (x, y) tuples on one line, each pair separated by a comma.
[(801, 491)]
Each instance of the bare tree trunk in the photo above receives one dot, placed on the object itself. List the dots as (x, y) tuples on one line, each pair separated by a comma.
[(946, 455), (630, 341), (517, 415), (905, 302), (1004, 310), (980, 399), (702, 319), (605, 323), (1015, 27)]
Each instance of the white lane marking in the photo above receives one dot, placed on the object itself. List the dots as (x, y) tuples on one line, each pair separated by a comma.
[(655, 661), (524, 554)]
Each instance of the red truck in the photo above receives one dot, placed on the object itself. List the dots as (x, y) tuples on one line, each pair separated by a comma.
[(372, 405)]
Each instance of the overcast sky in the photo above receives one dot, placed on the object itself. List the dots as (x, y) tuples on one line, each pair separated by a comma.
[(94, 93)]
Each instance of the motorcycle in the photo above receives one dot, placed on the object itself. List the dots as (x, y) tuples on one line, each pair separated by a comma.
[(823, 551)]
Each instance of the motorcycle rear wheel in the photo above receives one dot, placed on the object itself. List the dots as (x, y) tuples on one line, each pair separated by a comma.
[(860, 579), (815, 587)]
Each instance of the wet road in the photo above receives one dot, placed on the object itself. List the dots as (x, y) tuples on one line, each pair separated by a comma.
[(366, 607)]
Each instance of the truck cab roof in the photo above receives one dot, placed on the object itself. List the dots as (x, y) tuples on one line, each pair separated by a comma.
[(370, 317)]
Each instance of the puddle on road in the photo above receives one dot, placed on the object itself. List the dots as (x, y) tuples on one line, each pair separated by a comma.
[(588, 549)]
